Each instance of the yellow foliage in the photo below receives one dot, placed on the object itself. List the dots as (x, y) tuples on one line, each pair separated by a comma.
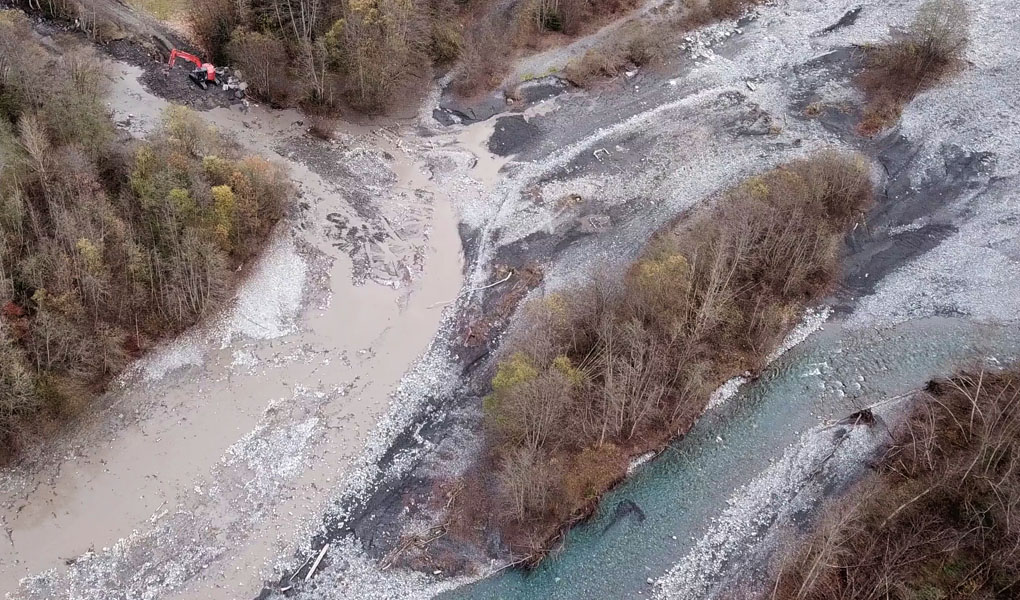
[(650, 272), (513, 372), (92, 255), (222, 235), (146, 165), (186, 128), (556, 303), (10, 17), (510, 373), (225, 205), (562, 364), (145, 161), (368, 10), (335, 35), (758, 188), (178, 161), (242, 186), (182, 202)]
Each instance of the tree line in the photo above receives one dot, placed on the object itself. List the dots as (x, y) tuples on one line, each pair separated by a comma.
[(370, 53)]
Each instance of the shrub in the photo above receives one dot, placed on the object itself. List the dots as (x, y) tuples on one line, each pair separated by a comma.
[(636, 44), (261, 58), (899, 69), (322, 126)]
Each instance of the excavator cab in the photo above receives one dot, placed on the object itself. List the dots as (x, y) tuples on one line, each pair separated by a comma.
[(203, 74)]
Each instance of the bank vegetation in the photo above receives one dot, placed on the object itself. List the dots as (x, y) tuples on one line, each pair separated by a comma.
[(106, 244), (647, 42), (938, 516), (599, 374)]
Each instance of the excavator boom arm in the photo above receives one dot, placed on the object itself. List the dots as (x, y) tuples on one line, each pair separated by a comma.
[(175, 54), (208, 68)]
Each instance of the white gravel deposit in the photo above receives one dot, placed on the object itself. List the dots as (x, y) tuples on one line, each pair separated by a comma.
[(789, 485)]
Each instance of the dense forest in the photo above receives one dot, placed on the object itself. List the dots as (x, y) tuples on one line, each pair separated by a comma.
[(107, 243)]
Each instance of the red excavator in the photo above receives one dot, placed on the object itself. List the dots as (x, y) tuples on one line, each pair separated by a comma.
[(203, 74)]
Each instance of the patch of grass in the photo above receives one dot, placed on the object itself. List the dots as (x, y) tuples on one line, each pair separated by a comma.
[(938, 517), (322, 126), (900, 68)]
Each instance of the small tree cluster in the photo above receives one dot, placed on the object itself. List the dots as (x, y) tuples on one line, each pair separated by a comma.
[(375, 46), (318, 53), (615, 367)]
